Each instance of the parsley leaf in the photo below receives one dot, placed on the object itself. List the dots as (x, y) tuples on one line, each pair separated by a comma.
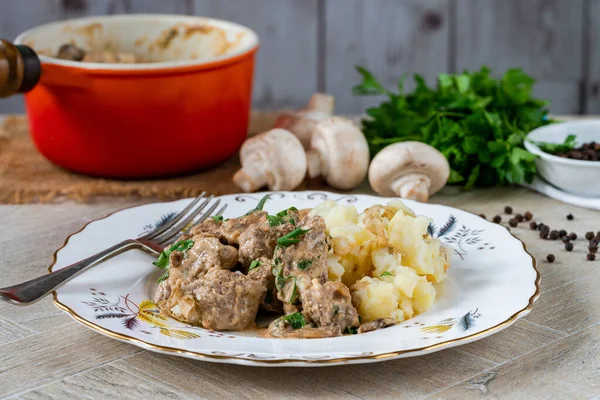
[(292, 237), (303, 264), (296, 320), (163, 259), (476, 121), (553, 148), (260, 205), (387, 273), (351, 330), (218, 218), (254, 264)]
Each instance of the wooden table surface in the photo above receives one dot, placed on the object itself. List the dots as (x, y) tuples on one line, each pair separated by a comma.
[(552, 353)]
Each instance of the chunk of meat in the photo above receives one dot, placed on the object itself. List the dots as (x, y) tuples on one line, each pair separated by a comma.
[(260, 238), (227, 300), (174, 296), (379, 323), (329, 306), (309, 256), (70, 52), (207, 253), (234, 227), (263, 275), (209, 226), (280, 329)]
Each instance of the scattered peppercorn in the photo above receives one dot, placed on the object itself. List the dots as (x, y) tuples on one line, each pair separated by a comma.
[(550, 258), (591, 256), (570, 217), (569, 246), (565, 239), (589, 235), (573, 236), (513, 222), (544, 235), (482, 216), (519, 218), (533, 225), (554, 235), (497, 219), (598, 234), (528, 216), (562, 233), (593, 249), (508, 210)]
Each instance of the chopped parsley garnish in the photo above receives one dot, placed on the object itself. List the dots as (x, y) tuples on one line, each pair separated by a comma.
[(254, 264), (218, 218), (280, 218), (303, 264), (163, 259), (292, 237), (351, 330), (387, 273), (260, 205), (296, 320)]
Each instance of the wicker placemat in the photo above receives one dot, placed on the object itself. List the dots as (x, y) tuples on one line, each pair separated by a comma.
[(27, 177)]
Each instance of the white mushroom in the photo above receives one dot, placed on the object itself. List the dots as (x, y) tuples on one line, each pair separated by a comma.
[(339, 152), (411, 170), (274, 158), (302, 123)]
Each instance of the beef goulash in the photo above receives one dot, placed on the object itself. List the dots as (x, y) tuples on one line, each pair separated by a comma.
[(320, 273)]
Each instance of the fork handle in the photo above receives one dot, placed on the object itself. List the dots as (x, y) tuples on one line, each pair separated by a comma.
[(31, 291)]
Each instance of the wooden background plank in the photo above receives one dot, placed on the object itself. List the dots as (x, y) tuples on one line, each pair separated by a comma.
[(286, 68), (309, 45), (387, 37)]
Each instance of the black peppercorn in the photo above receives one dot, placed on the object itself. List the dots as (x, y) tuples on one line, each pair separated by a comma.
[(519, 218), (554, 235), (589, 235), (528, 216), (569, 246), (591, 256), (544, 235), (550, 258), (508, 210), (533, 225), (565, 239), (497, 219), (573, 236), (562, 233), (513, 222), (570, 217), (482, 216), (593, 249)]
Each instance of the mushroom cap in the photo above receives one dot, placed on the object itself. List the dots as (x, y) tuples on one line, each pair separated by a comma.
[(301, 123), (400, 160), (279, 154), (343, 152)]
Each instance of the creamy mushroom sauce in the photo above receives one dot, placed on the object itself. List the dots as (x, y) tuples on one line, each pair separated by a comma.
[(224, 272)]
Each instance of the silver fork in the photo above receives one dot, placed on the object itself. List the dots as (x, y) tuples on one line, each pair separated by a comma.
[(154, 242)]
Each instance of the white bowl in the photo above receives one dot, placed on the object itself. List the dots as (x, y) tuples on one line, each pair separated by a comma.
[(575, 176)]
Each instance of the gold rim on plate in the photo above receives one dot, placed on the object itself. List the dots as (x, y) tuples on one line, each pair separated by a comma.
[(439, 346)]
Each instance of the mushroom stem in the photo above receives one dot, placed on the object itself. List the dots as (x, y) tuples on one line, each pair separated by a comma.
[(412, 186), (250, 178), (314, 163)]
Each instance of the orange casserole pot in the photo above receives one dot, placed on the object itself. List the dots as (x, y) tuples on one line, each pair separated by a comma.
[(142, 120)]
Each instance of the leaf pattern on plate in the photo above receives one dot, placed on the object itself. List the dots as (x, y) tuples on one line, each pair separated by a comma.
[(131, 314), (463, 324)]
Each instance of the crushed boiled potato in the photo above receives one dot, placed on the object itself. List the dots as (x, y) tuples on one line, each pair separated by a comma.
[(385, 256)]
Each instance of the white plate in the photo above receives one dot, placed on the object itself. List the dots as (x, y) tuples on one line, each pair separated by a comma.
[(492, 282)]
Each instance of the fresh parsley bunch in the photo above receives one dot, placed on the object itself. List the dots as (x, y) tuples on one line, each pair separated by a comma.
[(478, 122)]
